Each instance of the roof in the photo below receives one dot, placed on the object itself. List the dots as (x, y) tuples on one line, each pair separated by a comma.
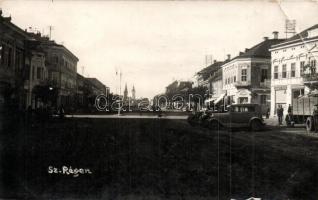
[(7, 21), (205, 72), (261, 50), (302, 36), (52, 43), (96, 83)]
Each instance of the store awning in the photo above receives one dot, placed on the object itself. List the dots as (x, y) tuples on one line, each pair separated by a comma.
[(220, 98)]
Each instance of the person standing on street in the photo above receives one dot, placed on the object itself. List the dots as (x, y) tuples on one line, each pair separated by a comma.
[(315, 115), (280, 113)]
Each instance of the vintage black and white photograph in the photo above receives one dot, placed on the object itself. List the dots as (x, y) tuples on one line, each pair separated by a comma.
[(159, 100)]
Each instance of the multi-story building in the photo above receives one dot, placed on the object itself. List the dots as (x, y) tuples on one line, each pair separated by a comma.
[(246, 78), (178, 88), (80, 90), (36, 80), (203, 75), (13, 68), (95, 86), (212, 76), (294, 64), (62, 71)]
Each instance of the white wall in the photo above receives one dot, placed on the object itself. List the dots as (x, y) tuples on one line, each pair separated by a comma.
[(289, 54)]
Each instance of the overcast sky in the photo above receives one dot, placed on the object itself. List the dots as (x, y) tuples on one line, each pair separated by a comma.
[(154, 43)]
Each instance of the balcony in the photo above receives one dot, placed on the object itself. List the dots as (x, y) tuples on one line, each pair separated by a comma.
[(242, 84), (310, 79)]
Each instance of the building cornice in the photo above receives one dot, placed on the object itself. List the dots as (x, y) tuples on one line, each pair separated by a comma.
[(247, 60), (292, 44)]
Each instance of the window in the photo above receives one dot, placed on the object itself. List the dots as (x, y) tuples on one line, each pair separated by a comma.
[(293, 70), (38, 72), (56, 59), (234, 79), (302, 65), (284, 73), (1, 53), (297, 93), (243, 108), (33, 72), (313, 65), (242, 100), (263, 99), (263, 75), (10, 57), (54, 77), (244, 74), (276, 72)]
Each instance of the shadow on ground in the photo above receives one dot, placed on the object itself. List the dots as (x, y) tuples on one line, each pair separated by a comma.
[(154, 159)]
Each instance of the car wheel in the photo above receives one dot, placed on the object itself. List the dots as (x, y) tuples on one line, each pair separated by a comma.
[(214, 125), (256, 125), (310, 124)]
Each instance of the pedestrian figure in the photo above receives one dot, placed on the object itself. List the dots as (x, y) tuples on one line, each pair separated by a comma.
[(315, 114), (61, 111), (267, 113), (280, 113), (290, 109)]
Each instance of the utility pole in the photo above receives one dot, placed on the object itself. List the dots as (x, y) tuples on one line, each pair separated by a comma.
[(50, 29), (120, 100)]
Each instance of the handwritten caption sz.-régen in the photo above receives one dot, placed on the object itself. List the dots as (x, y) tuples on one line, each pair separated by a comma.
[(68, 170)]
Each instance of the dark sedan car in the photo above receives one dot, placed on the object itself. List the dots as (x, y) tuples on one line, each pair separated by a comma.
[(237, 116)]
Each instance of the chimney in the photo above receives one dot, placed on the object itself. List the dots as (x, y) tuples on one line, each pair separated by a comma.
[(228, 56), (246, 49), (214, 61), (265, 38), (275, 34), (241, 53)]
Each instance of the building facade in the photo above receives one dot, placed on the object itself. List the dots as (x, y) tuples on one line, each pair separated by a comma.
[(36, 80), (62, 72), (13, 68), (246, 78), (213, 81), (294, 71)]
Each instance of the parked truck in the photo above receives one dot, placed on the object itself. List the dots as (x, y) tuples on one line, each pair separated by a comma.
[(303, 111)]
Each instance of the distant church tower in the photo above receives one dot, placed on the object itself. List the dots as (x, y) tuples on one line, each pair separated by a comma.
[(133, 92), (125, 92)]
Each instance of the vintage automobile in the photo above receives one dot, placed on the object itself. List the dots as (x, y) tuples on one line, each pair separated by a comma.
[(237, 116)]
